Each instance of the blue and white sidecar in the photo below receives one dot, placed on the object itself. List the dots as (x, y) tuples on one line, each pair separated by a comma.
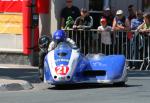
[(65, 65)]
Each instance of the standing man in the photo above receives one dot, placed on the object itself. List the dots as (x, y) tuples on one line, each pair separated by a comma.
[(85, 22), (107, 13), (121, 24), (69, 10), (131, 11)]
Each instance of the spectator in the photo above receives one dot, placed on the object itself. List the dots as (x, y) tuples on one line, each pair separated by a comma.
[(69, 10), (145, 26), (137, 21), (85, 21), (120, 22), (135, 40), (131, 11), (105, 36), (108, 15)]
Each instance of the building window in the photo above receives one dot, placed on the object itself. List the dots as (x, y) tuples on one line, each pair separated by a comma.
[(96, 5)]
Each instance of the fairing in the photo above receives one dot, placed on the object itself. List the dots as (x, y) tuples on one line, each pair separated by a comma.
[(65, 65)]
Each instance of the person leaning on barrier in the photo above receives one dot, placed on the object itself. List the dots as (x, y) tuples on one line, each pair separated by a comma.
[(69, 10), (145, 26), (137, 21), (105, 36), (121, 25), (144, 30), (135, 43), (85, 21), (120, 22), (46, 46)]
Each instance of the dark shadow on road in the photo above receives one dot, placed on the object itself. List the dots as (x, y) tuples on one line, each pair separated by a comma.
[(133, 85), (138, 73), (30, 75), (88, 86)]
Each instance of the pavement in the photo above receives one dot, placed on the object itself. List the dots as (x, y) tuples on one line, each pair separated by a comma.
[(12, 66), (14, 85), (12, 77)]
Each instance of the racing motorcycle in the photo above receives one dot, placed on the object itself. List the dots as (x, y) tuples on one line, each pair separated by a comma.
[(65, 65)]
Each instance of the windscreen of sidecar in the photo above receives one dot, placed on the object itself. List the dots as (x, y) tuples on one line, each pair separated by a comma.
[(63, 46)]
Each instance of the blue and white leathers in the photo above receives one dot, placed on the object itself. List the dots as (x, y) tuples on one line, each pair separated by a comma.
[(65, 65)]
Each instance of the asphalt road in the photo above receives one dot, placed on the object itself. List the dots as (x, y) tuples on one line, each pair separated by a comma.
[(137, 90)]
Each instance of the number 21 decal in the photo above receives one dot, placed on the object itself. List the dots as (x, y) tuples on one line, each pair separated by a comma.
[(62, 70)]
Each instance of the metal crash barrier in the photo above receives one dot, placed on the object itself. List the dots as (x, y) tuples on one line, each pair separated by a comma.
[(134, 45)]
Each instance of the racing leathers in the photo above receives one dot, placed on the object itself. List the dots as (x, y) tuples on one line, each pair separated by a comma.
[(52, 46)]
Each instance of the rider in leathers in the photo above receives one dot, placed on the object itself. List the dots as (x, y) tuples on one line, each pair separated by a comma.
[(45, 46)]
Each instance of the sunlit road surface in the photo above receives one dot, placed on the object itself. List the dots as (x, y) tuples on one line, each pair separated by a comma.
[(137, 90)]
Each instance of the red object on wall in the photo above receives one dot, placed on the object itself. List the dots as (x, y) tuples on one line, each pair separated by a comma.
[(43, 6), (24, 6), (30, 32), (26, 26), (16, 5), (10, 6)]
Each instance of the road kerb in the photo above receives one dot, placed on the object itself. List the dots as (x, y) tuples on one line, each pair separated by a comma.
[(14, 85)]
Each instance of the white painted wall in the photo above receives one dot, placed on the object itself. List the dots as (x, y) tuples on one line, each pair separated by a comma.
[(56, 6)]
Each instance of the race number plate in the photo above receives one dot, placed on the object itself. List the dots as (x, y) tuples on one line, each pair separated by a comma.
[(62, 70)]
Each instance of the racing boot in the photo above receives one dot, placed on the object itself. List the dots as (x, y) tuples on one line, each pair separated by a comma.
[(41, 65), (43, 45)]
